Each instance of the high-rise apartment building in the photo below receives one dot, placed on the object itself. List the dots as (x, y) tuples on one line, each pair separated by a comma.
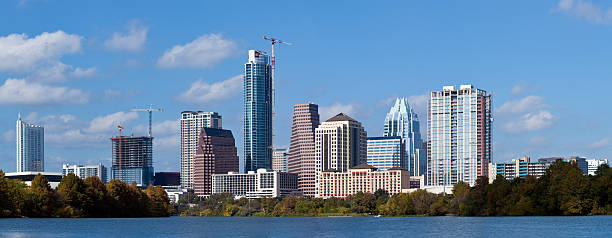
[(340, 144), (84, 172), (386, 152), (216, 154), (30, 147), (280, 160), (132, 159), (191, 123), (257, 112), (403, 121), (302, 146), (459, 134)]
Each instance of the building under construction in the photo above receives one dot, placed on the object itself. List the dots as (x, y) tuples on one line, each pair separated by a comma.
[(133, 159)]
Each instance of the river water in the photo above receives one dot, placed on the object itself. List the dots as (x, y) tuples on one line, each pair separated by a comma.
[(596, 226)]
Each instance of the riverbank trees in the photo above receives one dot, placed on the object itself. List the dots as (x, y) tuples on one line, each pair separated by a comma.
[(75, 197), (563, 190)]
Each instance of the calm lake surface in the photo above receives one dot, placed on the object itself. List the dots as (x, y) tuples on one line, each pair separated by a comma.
[(599, 226)]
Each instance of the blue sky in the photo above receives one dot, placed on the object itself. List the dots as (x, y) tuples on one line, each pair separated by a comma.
[(78, 67)]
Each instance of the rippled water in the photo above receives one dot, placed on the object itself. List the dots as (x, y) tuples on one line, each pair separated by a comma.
[(599, 226)]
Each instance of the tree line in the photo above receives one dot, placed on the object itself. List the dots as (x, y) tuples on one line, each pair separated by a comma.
[(75, 197), (562, 190)]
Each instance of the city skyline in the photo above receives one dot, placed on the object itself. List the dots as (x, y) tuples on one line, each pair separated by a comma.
[(92, 82)]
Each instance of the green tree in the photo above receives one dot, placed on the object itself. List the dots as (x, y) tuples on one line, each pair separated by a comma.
[(421, 201), (99, 203), (72, 191), (40, 198), (363, 203), (398, 205)]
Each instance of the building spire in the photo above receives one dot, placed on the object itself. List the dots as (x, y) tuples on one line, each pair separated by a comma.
[(19, 116)]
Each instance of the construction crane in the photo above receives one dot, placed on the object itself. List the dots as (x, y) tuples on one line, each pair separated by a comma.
[(150, 109), (274, 41), (119, 152)]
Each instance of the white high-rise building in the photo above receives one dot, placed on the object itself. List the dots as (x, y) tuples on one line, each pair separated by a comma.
[(30, 147), (459, 133), (280, 160), (340, 144), (403, 121), (593, 164), (84, 172), (191, 123)]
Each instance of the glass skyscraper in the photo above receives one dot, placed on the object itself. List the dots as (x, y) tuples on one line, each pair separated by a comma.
[(386, 152), (459, 132), (257, 112), (403, 121), (30, 147)]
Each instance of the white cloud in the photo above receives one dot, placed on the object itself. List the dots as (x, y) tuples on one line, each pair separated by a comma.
[(419, 103), (585, 10), (132, 41), (60, 72), (205, 51), (202, 92), (20, 53), (531, 122), (329, 111), (522, 87), (600, 143), (18, 91), (524, 104), (166, 143), (9, 136), (168, 127), (109, 122)]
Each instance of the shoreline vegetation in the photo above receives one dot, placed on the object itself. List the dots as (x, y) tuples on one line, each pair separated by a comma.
[(562, 191), (78, 198)]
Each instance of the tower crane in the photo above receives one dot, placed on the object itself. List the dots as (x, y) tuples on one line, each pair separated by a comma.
[(274, 41), (150, 109), (119, 152)]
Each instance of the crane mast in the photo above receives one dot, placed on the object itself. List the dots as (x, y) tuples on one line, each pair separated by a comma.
[(274, 41), (150, 110)]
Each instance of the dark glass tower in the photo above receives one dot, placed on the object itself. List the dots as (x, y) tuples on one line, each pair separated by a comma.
[(257, 112)]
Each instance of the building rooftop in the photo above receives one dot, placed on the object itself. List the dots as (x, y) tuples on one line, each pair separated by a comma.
[(384, 137), (341, 117), (364, 166)]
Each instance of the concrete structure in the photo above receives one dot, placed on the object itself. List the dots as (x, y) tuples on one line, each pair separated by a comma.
[(580, 161), (280, 160), (176, 193), (255, 184), (191, 123), (593, 164), (30, 147), (459, 134), (302, 147), (340, 144), (417, 182), (132, 159), (386, 152), (84, 172), (257, 112), (216, 154), (518, 168), (403, 121), (54, 178), (362, 178), (167, 179)]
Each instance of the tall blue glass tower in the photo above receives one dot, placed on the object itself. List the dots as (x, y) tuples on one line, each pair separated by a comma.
[(403, 121), (257, 112)]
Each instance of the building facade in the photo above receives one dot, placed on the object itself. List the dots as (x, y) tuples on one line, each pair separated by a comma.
[(518, 168), (257, 112), (362, 178), (593, 164), (340, 144), (403, 121), (280, 160), (167, 179), (216, 154), (459, 134), (54, 178), (302, 146), (30, 147), (191, 124), (84, 172), (386, 152), (255, 184), (579, 161), (132, 159)]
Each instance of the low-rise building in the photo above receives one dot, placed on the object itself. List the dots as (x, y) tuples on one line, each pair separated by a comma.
[(167, 179), (362, 178), (86, 171), (255, 184), (580, 161), (417, 182), (523, 167), (175, 193), (54, 178), (280, 160), (593, 164)]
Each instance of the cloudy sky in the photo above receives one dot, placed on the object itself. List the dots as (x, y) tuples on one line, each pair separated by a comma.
[(79, 67)]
